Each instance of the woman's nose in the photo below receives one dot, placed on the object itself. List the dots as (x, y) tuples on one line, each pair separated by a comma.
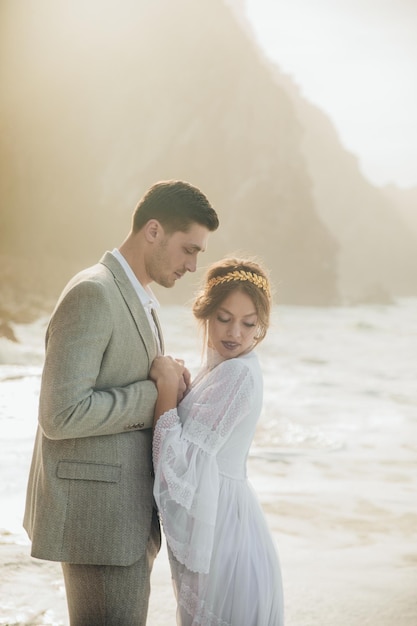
[(234, 330)]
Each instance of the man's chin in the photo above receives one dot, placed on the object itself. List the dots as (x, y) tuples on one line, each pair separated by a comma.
[(169, 281), (176, 278), (168, 284)]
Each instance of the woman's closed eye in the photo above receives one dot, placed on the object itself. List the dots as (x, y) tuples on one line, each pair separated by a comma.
[(225, 320)]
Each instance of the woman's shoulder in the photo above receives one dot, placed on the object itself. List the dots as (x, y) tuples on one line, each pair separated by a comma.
[(245, 362)]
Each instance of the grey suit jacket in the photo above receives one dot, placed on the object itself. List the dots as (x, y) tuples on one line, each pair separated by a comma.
[(89, 496)]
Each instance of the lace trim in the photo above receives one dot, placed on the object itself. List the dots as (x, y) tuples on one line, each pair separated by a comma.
[(181, 551), (203, 436), (181, 490), (197, 608), (167, 420)]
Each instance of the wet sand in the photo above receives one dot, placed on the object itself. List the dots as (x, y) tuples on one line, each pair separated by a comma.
[(346, 529)]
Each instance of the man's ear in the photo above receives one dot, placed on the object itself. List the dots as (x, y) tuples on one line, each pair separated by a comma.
[(152, 230)]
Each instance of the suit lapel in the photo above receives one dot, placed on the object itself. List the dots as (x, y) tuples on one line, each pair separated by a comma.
[(133, 303), (159, 329)]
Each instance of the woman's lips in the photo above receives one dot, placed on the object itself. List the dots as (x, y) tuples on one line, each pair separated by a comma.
[(230, 345)]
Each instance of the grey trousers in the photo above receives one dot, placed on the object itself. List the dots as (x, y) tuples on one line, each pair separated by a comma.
[(107, 595)]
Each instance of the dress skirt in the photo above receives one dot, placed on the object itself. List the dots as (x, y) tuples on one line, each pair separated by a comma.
[(243, 586)]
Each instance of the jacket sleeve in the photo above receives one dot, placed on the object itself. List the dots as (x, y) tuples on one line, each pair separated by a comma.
[(186, 485), (74, 402)]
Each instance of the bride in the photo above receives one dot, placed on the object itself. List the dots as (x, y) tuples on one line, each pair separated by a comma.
[(223, 559)]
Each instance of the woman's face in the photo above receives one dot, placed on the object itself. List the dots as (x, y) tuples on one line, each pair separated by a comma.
[(232, 328)]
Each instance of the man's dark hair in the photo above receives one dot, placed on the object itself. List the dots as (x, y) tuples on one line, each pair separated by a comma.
[(177, 205)]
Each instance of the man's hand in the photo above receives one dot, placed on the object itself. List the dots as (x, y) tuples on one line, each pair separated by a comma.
[(166, 370)]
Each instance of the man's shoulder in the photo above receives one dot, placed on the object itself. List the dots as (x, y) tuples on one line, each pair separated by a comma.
[(108, 267), (96, 278), (94, 274)]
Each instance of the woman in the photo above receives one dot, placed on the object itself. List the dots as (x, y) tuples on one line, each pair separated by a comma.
[(223, 561)]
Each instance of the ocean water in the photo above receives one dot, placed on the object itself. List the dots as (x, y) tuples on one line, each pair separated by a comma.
[(334, 377)]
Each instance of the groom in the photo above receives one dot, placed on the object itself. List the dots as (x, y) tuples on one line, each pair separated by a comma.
[(89, 498)]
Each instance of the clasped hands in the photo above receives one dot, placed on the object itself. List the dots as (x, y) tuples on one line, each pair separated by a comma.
[(166, 370)]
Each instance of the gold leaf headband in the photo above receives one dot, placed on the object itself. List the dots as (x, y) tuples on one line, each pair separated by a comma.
[(256, 279)]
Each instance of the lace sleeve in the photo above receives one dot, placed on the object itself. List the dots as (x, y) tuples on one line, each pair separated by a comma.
[(166, 422), (223, 403), (186, 472)]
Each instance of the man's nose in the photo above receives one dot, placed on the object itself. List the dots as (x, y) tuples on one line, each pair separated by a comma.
[(191, 264)]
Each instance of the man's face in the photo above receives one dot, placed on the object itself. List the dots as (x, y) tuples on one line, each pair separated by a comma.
[(175, 254)]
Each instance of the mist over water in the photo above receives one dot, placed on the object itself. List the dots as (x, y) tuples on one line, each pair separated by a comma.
[(100, 101)]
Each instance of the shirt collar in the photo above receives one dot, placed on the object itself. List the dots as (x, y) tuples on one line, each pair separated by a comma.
[(145, 294)]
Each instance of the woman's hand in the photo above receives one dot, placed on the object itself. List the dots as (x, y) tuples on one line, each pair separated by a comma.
[(184, 383), (171, 379)]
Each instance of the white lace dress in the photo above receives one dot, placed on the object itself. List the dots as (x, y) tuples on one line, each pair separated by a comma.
[(224, 563)]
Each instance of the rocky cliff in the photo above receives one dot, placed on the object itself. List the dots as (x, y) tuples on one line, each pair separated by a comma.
[(102, 102), (101, 99), (377, 247)]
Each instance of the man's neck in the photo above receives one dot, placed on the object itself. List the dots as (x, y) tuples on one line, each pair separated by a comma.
[(131, 250)]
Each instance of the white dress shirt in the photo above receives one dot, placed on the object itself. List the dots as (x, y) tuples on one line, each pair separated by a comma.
[(145, 295)]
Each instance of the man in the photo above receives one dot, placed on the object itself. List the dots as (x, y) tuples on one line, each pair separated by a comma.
[(89, 499)]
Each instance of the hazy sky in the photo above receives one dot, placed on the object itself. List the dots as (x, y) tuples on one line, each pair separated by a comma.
[(357, 60)]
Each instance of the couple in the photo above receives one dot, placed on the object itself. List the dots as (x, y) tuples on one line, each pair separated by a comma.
[(122, 428)]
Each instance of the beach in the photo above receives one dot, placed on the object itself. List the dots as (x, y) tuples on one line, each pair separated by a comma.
[(334, 465), (348, 554)]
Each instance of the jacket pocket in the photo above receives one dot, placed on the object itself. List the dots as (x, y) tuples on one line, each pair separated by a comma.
[(82, 470)]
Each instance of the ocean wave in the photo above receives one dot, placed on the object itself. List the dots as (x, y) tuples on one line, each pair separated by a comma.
[(290, 438)]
